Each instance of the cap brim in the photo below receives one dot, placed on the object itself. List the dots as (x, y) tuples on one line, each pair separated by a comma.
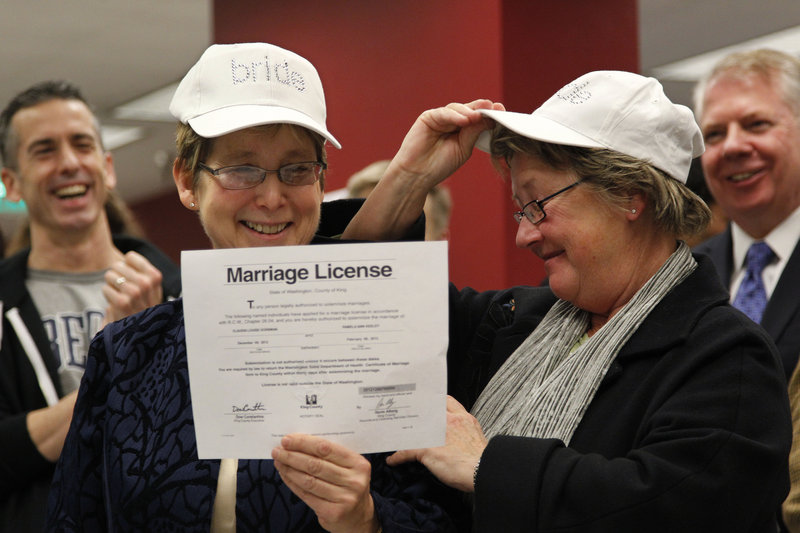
[(536, 127), (234, 118)]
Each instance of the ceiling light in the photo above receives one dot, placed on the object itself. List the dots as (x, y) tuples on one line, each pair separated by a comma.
[(153, 106), (117, 136), (692, 68)]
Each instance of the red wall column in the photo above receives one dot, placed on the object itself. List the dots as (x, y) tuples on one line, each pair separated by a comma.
[(383, 63), (545, 46)]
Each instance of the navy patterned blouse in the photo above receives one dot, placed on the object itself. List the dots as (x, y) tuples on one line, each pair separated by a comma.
[(130, 459)]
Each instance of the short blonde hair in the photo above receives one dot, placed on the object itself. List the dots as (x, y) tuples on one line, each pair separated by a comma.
[(362, 182), (769, 65)]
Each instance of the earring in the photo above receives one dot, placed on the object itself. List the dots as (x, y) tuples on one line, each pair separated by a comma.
[(191, 204), (633, 211)]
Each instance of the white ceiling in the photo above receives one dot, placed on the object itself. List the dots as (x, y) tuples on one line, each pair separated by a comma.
[(672, 30), (119, 50), (115, 51)]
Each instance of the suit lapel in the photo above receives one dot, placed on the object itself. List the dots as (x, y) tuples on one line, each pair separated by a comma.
[(784, 301)]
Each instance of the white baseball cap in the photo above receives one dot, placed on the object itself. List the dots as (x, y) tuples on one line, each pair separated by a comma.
[(617, 110), (237, 86)]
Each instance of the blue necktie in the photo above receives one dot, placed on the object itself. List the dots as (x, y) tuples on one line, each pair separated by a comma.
[(751, 298)]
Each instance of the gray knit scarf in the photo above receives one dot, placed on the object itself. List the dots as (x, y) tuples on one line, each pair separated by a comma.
[(543, 389)]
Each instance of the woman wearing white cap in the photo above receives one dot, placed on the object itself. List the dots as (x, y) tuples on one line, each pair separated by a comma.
[(251, 162), (628, 395)]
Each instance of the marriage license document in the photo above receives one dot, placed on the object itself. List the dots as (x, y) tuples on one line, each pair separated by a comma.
[(345, 341)]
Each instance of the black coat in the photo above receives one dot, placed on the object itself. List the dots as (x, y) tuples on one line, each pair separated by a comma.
[(689, 430), (130, 460)]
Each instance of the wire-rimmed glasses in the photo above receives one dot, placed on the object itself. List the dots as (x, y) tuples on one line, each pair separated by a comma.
[(247, 176), (534, 210)]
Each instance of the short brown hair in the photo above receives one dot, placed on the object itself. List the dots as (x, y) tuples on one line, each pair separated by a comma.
[(192, 149), (30, 97), (614, 176)]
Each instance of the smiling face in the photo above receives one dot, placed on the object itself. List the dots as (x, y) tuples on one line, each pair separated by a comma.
[(62, 173), (752, 157), (583, 242), (270, 214)]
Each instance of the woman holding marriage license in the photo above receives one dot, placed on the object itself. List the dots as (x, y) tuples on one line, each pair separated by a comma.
[(251, 162), (628, 395)]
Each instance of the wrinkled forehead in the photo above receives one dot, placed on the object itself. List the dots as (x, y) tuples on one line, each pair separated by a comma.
[(54, 119), (747, 88), (533, 177), (263, 139)]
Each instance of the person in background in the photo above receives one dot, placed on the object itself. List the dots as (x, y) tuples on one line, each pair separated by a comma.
[(251, 163), (748, 108), (618, 397), (58, 292), (121, 221), (364, 181), (719, 220), (438, 204)]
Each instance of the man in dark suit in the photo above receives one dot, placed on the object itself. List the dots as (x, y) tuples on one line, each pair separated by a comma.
[(56, 293), (748, 108)]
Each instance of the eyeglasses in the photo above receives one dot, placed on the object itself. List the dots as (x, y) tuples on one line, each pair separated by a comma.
[(534, 210), (247, 177)]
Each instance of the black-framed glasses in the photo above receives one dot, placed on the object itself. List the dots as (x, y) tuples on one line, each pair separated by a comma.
[(247, 176), (534, 210)]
